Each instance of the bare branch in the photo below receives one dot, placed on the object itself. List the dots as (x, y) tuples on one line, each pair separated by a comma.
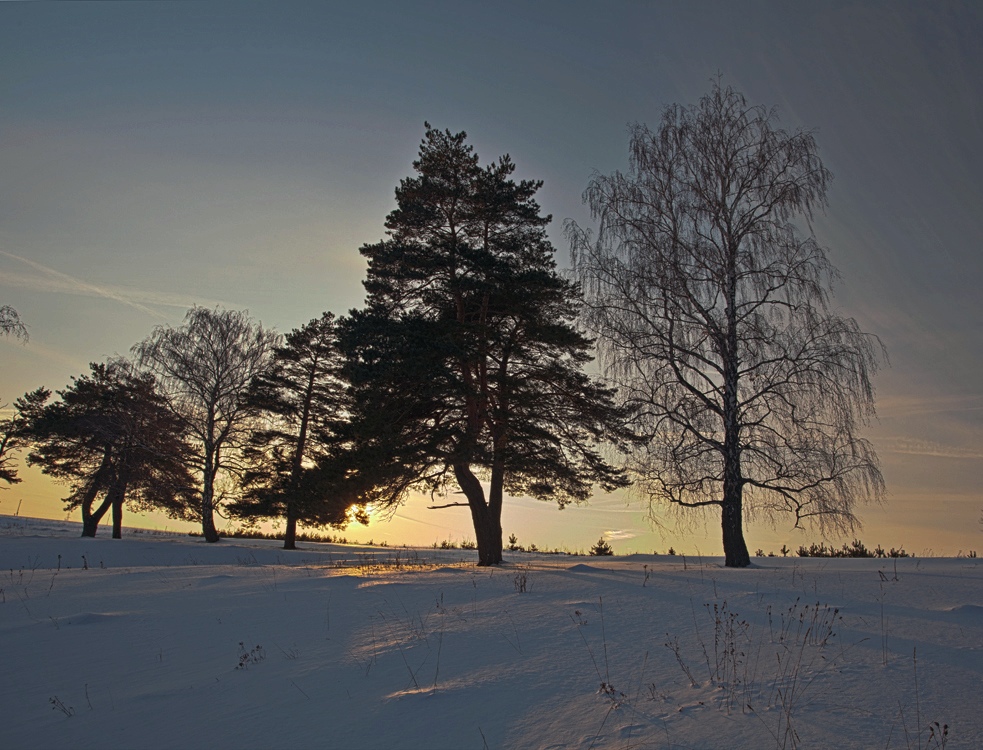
[(711, 312)]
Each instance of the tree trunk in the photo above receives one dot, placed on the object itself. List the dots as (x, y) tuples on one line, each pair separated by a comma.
[(90, 524), (116, 496), (118, 517), (735, 548), (732, 508), (90, 519), (732, 516), (290, 534), (487, 522), (208, 529)]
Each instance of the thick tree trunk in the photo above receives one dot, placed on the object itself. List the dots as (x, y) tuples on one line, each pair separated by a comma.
[(488, 533), (208, 529), (90, 518), (290, 534), (735, 548), (487, 520), (732, 511), (116, 496), (118, 517)]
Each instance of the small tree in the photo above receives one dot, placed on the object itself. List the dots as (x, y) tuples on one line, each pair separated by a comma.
[(466, 364), (601, 549), (110, 434), (713, 314), (301, 396), (12, 440), (10, 427), (205, 367)]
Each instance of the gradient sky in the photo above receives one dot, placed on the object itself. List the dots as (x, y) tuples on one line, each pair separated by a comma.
[(158, 155)]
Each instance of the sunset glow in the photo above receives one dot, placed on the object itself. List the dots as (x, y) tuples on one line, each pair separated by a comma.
[(156, 156)]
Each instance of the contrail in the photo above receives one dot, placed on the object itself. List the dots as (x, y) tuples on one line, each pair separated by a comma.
[(78, 286), (37, 349), (931, 448), (58, 282)]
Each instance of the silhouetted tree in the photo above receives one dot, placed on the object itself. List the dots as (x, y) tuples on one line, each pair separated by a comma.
[(10, 323), (601, 548), (205, 367), (712, 311), (301, 396), (12, 439), (10, 427), (466, 363), (110, 434)]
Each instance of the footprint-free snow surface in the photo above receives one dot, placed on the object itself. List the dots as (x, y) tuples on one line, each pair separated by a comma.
[(163, 641)]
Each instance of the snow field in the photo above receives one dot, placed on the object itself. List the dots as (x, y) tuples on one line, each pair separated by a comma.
[(163, 641)]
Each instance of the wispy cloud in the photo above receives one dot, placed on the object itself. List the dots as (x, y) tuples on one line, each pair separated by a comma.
[(37, 349), (906, 406), (619, 535), (54, 281), (914, 447)]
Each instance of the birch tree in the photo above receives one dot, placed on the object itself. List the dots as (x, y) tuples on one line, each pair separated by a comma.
[(205, 367), (711, 300)]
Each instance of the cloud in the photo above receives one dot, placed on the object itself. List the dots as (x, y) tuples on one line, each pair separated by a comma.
[(56, 282), (620, 535), (913, 447), (37, 349), (906, 406)]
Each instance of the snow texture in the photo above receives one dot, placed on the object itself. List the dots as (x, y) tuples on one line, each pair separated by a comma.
[(163, 641)]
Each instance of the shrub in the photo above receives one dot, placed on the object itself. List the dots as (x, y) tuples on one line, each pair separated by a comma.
[(601, 548), (855, 549)]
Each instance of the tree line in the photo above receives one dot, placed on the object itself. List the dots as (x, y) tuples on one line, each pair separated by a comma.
[(726, 378)]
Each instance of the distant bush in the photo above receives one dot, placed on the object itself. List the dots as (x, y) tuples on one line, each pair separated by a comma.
[(246, 532), (855, 549), (302, 536), (601, 548)]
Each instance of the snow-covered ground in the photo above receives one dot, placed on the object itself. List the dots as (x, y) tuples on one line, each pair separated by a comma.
[(163, 641)]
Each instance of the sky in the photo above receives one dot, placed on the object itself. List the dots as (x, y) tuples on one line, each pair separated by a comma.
[(159, 155)]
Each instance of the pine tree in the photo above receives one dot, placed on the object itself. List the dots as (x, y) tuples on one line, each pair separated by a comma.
[(466, 365), (110, 434), (302, 396)]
